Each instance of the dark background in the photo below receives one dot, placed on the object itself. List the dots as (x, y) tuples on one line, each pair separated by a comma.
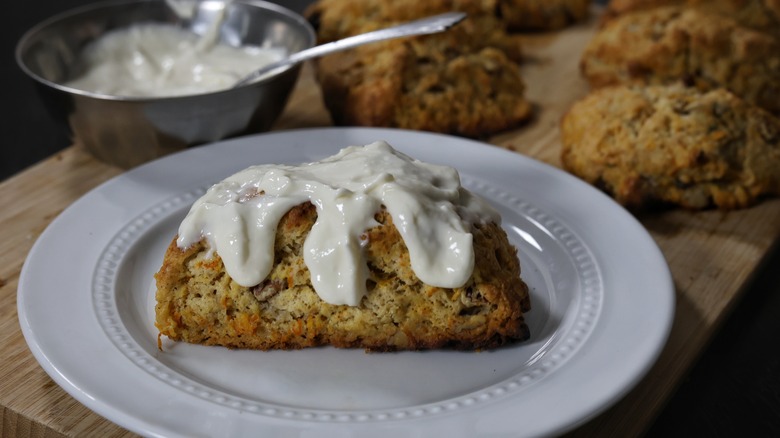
[(734, 390)]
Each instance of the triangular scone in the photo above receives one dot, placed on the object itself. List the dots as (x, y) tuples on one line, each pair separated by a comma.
[(199, 302), (672, 144), (465, 81), (672, 44)]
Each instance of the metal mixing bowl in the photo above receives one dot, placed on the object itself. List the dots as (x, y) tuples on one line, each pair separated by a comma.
[(129, 131)]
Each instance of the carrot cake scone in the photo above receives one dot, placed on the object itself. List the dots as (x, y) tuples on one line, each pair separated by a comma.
[(542, 15), (465, 81), (673, 144), (367, 249), (761, 15), (671, 44)]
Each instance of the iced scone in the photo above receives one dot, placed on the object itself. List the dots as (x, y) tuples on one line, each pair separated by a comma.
[(368, 248)]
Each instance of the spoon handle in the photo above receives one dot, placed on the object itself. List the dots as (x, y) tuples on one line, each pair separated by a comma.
[(424, 26)]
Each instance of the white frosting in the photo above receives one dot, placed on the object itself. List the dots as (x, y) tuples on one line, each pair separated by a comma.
[(158, 60), (431, 210)]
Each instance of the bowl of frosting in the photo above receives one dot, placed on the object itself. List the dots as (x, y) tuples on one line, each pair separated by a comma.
[(138, 79)]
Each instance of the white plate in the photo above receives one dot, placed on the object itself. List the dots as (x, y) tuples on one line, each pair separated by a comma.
[(602, 298)]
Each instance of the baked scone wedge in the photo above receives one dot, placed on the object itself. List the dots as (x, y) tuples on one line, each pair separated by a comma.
[(671, 144), (465, 81), (763, 15), (672, 44), (483, 27), (426, 84), (199, 301), (542, 15)]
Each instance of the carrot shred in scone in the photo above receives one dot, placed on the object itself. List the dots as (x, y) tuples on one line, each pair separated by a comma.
[(298, 329)]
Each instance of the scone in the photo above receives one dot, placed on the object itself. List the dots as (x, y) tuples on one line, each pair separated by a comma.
[(335, 19), (671, 44), (465, 81), (449, 278), (673, 145), (483, 27), (429, 84), (761, 15), (616, 8), (542, 15)]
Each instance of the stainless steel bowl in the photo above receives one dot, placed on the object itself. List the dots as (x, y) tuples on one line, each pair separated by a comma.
[(129, 131)]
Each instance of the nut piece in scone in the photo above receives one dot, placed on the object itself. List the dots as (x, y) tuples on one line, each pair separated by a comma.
[(673, 145)]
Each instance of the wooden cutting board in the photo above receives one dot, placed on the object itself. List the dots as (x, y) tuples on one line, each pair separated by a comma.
[(711, 253)]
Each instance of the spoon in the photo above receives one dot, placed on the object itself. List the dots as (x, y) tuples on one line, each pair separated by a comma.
[(425, 26)]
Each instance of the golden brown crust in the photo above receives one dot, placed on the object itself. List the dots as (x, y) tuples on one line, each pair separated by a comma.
[(197, 302), (671, 44), (761, 15), (521, 15), (337, 19), (425, 85), (616, 8), (673, 144), (465, 81)]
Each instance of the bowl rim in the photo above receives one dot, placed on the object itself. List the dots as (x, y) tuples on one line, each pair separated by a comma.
[(311, 35)]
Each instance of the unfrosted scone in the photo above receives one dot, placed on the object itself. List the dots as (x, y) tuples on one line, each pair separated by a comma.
[(616, 8), (483, 27), (335, 19), (465, 81), (671, 44), (431, 85), (761, 15), (199, 301), (673, 144), (542, 15)]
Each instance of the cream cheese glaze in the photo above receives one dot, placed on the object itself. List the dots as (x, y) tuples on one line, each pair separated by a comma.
[(160, 60), (432, 211)]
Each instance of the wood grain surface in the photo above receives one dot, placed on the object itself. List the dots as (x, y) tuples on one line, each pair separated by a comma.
[(711, 254)]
